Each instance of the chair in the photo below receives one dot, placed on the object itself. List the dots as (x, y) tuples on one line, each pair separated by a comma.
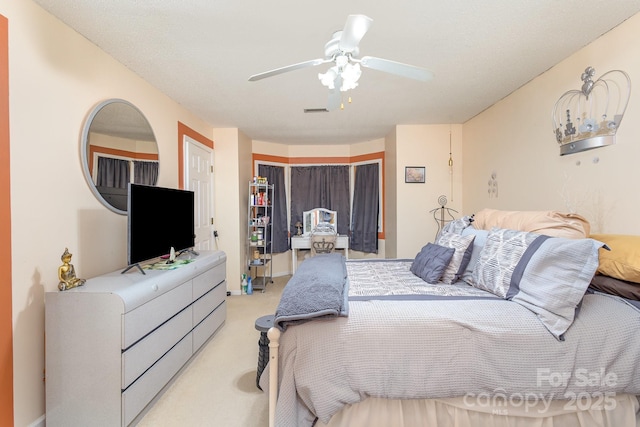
[(323, 238)]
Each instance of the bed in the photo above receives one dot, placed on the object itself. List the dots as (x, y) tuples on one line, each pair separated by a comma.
[(514, 336)]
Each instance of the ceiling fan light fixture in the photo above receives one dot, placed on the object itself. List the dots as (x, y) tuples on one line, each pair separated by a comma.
[(329, 77), (350, 75)]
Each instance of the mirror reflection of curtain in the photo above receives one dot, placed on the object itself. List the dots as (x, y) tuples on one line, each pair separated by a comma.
[(366, 197), (112, 172), (145, 172), (275, 176), (321, 187)]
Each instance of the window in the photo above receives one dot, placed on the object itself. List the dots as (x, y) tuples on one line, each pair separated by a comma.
[(353, 189)]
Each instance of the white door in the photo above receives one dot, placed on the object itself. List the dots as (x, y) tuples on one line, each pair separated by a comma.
[(199, 179)]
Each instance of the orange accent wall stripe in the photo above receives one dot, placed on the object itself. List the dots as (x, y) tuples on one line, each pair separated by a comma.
[(6, 298), (328, 160), (367, 157), (269, 158), (182, 131), (318, 160)]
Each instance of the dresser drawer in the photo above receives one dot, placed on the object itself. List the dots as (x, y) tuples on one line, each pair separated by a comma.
[(144, 319), (208, 302), (145, 352), (141, 392), (208, 326), (207, 280)]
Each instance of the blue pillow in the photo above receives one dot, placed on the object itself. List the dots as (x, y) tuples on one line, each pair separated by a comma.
[(431, 261), (480, 238)]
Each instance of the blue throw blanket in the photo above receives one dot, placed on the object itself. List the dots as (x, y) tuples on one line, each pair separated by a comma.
[(318, 289)]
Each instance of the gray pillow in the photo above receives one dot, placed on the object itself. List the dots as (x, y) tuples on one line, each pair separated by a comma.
[(480, 238), (547, 275), (430, 262)]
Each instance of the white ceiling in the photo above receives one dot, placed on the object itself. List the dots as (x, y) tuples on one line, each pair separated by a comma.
[(202, 52)]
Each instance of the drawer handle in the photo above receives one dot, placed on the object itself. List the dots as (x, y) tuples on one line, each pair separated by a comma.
[(155, 288)]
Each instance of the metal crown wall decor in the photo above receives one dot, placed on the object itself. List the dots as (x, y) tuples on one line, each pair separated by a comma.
[(590, 117)]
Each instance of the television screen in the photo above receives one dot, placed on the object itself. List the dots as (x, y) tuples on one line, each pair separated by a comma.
[(158, 219)]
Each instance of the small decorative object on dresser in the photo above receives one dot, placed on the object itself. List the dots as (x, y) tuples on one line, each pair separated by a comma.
[(67, 273)]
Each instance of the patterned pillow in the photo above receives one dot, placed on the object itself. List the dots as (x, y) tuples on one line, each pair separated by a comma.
[(431, 261), (463, 247), (498, 259), (456, 226), (547, 275)]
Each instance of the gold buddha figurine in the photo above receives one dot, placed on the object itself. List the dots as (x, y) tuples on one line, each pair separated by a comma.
[(67, 274)]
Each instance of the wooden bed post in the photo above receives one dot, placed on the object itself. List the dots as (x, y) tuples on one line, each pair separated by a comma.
[(274, 342)]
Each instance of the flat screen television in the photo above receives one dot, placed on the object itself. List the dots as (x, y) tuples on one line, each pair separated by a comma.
[(158, 219)]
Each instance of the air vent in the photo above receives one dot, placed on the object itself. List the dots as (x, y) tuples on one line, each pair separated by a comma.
[(316, 110)]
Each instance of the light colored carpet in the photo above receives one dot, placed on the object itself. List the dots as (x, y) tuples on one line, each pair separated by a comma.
[(218, 387)]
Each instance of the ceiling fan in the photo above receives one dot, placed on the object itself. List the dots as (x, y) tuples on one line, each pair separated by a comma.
[(342, 50)]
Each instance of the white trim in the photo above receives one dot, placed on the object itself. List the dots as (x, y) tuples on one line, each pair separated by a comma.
[(39, 422)]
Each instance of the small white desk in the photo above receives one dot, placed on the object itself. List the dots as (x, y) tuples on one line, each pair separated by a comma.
[(304, 242)]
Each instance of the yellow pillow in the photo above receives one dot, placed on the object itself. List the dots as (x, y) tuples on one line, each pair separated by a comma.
[(623, 260)]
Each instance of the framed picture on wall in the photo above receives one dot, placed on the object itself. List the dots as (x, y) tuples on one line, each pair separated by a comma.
[(414, 174)]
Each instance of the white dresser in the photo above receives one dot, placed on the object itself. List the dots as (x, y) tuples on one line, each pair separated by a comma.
[(113, 344)]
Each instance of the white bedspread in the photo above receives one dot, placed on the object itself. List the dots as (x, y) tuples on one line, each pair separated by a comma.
[(453, 348)]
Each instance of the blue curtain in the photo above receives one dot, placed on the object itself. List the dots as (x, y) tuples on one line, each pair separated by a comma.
[(112, 173), (145, 172), (366, 201), (321, 187), (275, 176)]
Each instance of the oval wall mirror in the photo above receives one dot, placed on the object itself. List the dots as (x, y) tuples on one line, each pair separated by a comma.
[(118, 147)]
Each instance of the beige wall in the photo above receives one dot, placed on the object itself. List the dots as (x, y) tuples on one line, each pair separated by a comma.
[(514, 138), (232, 173), (391, 195), (56, 77), (428, 146)]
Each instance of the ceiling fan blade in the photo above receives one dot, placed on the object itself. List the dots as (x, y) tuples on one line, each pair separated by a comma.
[(398, 68), (288, 68), (335, 95), (354, 29)]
